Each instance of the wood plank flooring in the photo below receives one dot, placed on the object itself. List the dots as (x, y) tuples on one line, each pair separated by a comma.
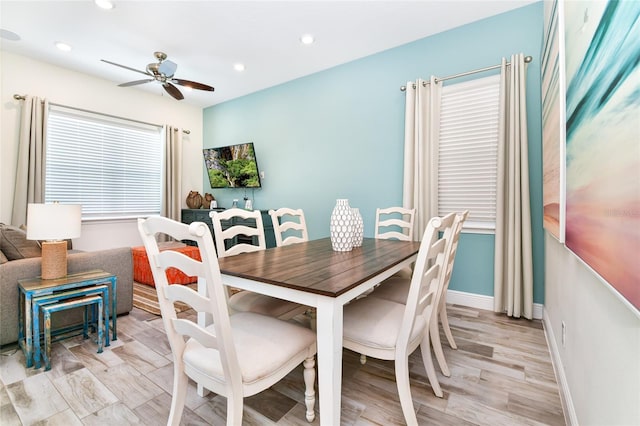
[(501, 374)]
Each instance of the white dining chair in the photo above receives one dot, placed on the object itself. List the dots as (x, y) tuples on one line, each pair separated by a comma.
[(442, 308), (394, 223), (388, 330), (397, 289), (237, 355), (234, 238), (289, 226)]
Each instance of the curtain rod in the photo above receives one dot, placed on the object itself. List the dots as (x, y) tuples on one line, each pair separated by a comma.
[(527, 59), (23, 97)]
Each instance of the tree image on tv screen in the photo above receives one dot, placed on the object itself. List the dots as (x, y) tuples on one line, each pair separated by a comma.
[(232, 166)]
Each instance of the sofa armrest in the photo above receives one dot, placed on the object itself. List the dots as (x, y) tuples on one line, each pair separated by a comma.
[(117, 261)]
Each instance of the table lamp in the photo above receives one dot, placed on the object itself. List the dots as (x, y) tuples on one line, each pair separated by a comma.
[(52, 224)]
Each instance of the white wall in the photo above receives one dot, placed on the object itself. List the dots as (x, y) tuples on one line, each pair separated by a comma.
[(600, 360), (21, 75)]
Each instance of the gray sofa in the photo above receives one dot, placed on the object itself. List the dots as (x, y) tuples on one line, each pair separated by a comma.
[(117, 261)]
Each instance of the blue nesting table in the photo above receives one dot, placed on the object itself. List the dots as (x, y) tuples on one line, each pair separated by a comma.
[(48, 309), (59, 291)]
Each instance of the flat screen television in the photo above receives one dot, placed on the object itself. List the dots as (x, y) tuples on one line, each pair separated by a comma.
[(232, 166)]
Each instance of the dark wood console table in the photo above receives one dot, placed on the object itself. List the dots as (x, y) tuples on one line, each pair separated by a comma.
[(202, 215)]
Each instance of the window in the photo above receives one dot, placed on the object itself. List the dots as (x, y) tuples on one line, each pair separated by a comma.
[(112, 166), (468, 151)]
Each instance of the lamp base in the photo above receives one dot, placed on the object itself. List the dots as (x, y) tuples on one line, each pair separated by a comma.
[(54, 259)]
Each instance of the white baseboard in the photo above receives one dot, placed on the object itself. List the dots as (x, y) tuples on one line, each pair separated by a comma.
[(569, 410), (480, 301)]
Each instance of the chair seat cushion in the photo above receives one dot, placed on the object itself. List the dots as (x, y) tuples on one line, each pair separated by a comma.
[(248, 301), (375, 323), (263, 345), (395, 289)]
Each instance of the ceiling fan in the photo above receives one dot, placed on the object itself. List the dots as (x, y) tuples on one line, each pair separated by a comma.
[(162, 72)]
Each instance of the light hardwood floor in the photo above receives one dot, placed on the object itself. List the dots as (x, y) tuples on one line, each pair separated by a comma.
[(500, 375)]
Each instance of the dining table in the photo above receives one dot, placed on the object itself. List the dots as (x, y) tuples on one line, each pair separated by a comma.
[(313, 274)]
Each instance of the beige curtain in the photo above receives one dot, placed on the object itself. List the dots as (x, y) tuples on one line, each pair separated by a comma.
[(513, 271), (172, 184), (29, 186), (421, 130)]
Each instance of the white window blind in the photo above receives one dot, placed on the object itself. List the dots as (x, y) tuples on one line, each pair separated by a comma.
[(468, 151), (111, 166)]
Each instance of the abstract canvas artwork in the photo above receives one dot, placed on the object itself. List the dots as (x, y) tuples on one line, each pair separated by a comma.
[(552, 71), (603, 140)]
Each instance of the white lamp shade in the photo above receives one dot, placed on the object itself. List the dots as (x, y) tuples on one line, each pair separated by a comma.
[(53, 221)]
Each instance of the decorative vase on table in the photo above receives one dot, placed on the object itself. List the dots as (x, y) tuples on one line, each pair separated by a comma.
[(194, 200), (341, 228), (206, 201), (358, 227)]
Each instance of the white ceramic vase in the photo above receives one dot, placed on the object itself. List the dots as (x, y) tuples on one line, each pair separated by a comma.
[(341, 227), (358, 227)]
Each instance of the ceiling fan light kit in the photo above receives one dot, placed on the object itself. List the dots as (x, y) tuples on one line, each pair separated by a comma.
[(163, 72)]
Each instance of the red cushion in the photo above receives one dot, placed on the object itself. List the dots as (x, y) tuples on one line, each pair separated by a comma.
[(142, 269)]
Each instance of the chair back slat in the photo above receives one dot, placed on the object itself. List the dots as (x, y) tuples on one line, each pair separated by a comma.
[(289, 226), (428, 290), (227, 239), (180, 293), (240, 248), (189, 266), (188, 328), (394, 223)]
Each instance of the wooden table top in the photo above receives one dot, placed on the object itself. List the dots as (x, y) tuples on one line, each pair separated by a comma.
[(314, 267), (37, 283)]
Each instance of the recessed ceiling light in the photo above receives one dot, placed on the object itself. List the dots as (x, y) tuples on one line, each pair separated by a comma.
[(307, 39), (63, 46), (238, 67), (104, 4)]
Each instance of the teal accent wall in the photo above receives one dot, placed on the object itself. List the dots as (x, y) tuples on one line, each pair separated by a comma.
[(339, 133)]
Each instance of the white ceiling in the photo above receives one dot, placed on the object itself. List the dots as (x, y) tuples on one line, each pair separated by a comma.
[(206, 38)]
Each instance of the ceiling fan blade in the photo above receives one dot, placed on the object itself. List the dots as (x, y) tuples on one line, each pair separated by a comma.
[(135, 83), (168, 68), (192, 84), (173, 91), (125, 67)]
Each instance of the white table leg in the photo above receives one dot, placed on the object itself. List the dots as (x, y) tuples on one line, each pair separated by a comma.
[(329, 334)]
